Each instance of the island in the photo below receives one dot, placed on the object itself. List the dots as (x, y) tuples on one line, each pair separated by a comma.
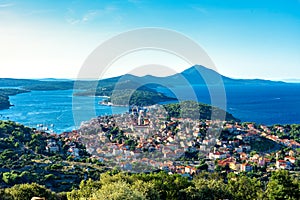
[(126, 96), (4, 96)]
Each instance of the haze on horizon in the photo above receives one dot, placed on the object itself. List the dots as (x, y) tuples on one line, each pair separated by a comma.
[(245, 39)]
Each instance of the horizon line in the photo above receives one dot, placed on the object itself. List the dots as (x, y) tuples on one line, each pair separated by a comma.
[(285, 80)]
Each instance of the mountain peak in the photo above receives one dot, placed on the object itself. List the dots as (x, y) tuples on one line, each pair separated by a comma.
[(199, 68), (199, 74)]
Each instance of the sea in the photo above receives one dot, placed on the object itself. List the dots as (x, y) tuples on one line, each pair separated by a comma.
[(60, 111), (56, 110)]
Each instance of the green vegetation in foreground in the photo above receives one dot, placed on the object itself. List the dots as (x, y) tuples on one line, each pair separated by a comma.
[(205, 185), (24, 159), (194, 110), (4, 96), (155, 186)]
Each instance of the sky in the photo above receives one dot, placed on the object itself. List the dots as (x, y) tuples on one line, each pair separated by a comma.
[(245, 39)]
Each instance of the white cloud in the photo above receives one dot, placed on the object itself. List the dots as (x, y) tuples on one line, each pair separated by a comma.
[(72, 17), (90, 15)]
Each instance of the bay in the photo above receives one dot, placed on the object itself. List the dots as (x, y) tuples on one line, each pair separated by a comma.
[(60, 111), (57, 110)]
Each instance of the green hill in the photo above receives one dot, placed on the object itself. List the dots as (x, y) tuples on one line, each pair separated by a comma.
[(24, 158), (194, 110)]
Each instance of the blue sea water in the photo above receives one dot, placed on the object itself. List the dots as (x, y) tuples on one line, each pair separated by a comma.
[(58, 110), (61, 112), (265, 104)]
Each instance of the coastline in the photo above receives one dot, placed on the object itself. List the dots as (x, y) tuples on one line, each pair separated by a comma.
[(5, 93), (263, 109)]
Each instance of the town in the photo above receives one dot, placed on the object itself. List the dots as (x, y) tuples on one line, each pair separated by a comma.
[(145, 140)]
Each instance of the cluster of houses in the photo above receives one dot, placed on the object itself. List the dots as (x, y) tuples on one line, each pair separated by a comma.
[(159, 144), (70, 140), (286, 142), (236, 155)]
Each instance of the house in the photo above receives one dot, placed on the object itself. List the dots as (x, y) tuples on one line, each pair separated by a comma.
[(245, 147), (246, 167), (290, 158), (117, 152), (165, 168), (238, 149), (197, 134), (202, 147), (255, 157), (180, 169), (235, 142), (291, 153), (206, 142), (243, 156), (73, 151), (240, 137), (135, 153), (235, 166), (261, 161), (221, 142), (169, 154), (126, 166), (170, 139), (190, 170), (280, 164), (126, 152), (228, 162), (217, 155), (52, 148)]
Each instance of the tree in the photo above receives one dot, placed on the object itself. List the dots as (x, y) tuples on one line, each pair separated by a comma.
[(119, 190), (243, 187), (210, 186), (190, 193), (27, 191), (86, 190), (281, 186), (203, 167), (211, 189), (10, 178), (147, 189), (4, 195)]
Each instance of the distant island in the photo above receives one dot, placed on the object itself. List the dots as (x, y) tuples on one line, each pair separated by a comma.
[(4, 96), (124, 86), (126, 96)]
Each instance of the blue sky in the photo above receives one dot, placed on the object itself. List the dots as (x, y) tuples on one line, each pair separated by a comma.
[(244, 38)]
